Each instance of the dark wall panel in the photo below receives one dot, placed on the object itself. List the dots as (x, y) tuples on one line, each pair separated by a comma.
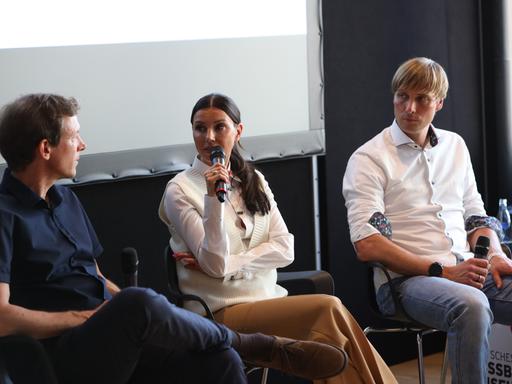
[(365, 41), (125, 213), (291, 183), (497, 59)]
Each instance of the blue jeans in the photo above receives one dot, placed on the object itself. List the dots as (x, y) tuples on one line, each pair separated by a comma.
[(463, 312), (139, 337)]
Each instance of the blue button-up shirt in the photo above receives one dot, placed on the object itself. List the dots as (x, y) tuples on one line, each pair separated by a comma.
[(48, 251)]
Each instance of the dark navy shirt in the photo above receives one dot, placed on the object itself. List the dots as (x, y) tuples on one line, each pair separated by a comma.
[(47, 252)]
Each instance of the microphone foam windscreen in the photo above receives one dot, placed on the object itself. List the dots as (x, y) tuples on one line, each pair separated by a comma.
[(482, 247), (483, 241), (217, 153), (129, 260)]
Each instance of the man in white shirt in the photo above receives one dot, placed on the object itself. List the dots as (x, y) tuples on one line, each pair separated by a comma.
[(413, 205)]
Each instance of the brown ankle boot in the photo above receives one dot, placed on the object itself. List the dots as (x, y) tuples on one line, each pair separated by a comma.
[(306, 359)]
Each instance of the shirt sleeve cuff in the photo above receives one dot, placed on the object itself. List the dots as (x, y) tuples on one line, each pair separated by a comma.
[(5, 277), (382, 224), (213, 208), (474, 222), (364, 231)]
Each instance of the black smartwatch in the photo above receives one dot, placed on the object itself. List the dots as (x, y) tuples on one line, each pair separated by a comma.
[(435, 269)]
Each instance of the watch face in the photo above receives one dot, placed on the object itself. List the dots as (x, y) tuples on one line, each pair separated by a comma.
[(435, 269)]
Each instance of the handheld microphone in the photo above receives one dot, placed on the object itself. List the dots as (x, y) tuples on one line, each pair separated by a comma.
[(482, 247), (217, 156), (129, 265)]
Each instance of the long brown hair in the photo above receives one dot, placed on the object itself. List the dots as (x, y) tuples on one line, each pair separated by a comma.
[(253, 194)]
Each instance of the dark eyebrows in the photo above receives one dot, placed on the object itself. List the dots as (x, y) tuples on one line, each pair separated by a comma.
[(215, 122), (419, 94)]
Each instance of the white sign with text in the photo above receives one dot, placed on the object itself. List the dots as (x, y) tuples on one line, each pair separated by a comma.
[(500, 355)]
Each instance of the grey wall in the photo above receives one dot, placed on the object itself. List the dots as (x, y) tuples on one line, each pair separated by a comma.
[(140, 95)]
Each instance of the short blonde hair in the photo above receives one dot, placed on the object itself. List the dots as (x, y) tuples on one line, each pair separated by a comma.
[(421, 74)]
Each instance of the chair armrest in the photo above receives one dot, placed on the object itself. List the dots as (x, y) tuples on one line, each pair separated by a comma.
[(306, 282)]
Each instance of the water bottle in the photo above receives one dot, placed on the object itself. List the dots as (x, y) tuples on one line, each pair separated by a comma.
[(504, 217)]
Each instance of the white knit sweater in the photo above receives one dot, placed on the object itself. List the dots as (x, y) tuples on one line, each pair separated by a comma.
[(220, 292)]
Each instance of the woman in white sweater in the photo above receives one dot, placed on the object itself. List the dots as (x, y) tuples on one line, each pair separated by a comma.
[(228, 252)]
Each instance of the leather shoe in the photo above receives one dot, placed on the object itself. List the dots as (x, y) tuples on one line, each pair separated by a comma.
[(309, 360)]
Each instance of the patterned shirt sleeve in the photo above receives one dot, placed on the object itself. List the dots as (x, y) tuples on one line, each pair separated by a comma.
[(381, 223), (474, 222)]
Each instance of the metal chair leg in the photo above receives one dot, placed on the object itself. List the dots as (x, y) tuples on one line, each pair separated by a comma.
[(444, 368), (419, 341), (421, 368), (264, 375)]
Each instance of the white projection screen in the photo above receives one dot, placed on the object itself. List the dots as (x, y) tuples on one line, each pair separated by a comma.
[(137, 67)]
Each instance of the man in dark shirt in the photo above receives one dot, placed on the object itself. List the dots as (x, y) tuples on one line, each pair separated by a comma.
[(52, 289)]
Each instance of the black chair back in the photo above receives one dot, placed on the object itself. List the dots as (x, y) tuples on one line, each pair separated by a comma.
[(399, 314)]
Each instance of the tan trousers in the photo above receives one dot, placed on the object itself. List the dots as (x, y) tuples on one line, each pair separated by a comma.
[(313, 317)]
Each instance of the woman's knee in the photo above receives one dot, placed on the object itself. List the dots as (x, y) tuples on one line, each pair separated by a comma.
[(332, 306), (328, 302)]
